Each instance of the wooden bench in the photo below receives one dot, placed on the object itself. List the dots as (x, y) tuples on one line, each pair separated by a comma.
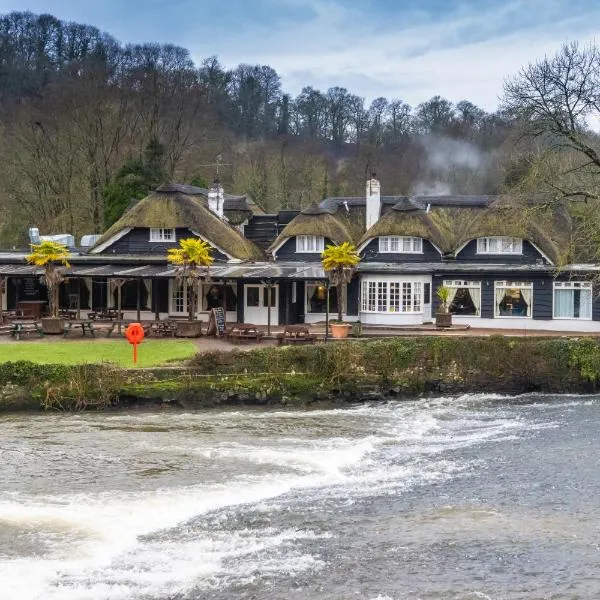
[(161, 328), (6, 329), (243, 332), (295, 334), (85, 326), (21, 328)]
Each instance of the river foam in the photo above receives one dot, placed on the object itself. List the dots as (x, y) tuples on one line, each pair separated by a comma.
[(138, 529)]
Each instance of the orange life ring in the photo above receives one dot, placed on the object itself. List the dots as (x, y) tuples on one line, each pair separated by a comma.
[(134, 333)]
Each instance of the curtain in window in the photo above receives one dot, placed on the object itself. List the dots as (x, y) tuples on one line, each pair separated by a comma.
[(148, 286), (564, 302), (585, 310), (451, 295), (88, 285), (499, 297), (526, 294), (476, 298)]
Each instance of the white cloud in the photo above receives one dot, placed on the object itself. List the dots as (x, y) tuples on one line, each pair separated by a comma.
[(412, 58)]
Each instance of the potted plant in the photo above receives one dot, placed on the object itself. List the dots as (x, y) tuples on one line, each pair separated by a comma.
[(443, 316), (339, 262), (192, 259), (53, 257)]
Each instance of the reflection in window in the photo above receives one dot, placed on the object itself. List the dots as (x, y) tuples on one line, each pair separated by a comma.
[(514, 298), (266, 297), (216, 295), (464, 297), (252, 296), (572, 300), (316, 298)]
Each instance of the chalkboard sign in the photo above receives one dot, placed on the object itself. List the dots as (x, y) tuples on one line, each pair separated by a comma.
[(216, 323)]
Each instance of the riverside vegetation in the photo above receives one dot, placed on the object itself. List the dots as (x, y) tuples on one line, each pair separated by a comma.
[(349, 371)]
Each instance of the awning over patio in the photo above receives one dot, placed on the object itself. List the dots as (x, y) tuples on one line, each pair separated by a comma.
[(256, 271)]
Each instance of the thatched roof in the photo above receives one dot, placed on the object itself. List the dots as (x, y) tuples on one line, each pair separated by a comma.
[(170, 208), (314, 220), (405, 219), (549, 228)]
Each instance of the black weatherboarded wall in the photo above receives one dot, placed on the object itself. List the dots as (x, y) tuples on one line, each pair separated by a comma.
[(542, 291), (137, 241)]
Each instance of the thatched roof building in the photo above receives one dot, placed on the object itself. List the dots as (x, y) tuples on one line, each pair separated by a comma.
[(315, 220), (169, 207)]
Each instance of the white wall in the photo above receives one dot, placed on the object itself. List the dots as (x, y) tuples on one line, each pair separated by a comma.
[(521, 324), (320, 317), (372, 318)]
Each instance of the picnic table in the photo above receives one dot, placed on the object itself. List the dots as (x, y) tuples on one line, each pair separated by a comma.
[(105, 313), (68, 313), (21, 328), (244, 332), (295, 334), (85, 326), (161, 328)]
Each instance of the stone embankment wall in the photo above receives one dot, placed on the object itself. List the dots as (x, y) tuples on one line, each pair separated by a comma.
[(352, 371)]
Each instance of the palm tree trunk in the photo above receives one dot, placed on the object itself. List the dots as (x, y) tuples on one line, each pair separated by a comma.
[(338, 289)]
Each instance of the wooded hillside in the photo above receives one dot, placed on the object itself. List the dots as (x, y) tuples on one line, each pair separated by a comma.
[(87, 124)]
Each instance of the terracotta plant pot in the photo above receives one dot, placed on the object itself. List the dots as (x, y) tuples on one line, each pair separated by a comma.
[(53, 325), (443, 319), (189, 329), (340, 330)]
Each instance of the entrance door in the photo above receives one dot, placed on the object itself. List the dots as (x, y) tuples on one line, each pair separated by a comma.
[(427, 318), (256, 304)]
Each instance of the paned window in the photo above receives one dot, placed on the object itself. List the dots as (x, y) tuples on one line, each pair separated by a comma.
[(464, 297), (178, 297), (400, 244), (499, 245), (513, 298), (391, 296), (160, 234), (310, 243), (572, 300)]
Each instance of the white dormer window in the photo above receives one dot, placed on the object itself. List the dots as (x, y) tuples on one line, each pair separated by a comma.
[(400, 244), (161, 234), (499, 245), (310, 243)]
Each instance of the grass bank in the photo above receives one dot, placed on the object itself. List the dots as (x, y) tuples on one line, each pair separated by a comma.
[(336, 372), (75, 352)]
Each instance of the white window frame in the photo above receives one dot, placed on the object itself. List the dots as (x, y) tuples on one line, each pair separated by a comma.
[(392, 296), (458, 284), (310, 244), (400, 244), (162, 234), (511, 285), (573, 285), (502, 245)]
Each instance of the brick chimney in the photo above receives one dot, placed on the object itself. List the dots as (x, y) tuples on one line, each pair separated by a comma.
[(373, 201), (216, 198)]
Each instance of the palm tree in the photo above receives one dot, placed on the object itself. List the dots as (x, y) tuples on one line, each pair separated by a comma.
[(51, 256), (340, 263), (192, 259)]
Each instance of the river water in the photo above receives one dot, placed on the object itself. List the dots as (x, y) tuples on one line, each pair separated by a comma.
[(451, 498)]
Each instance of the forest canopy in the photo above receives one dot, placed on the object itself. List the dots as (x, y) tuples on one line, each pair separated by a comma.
[(88, 124)]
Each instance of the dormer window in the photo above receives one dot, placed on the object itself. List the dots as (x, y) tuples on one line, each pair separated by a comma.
[(396, 244), (161, 234), (310, 243), (499, 245)]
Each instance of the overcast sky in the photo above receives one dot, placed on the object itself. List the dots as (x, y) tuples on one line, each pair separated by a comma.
[(407, 49)]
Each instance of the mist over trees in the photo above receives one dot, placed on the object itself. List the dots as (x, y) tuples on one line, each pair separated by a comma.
[(87, 124)]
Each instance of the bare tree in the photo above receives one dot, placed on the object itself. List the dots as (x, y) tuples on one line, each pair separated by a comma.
[(555, 99)]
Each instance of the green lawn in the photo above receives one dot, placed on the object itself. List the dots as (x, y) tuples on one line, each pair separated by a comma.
[(150, 352)]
